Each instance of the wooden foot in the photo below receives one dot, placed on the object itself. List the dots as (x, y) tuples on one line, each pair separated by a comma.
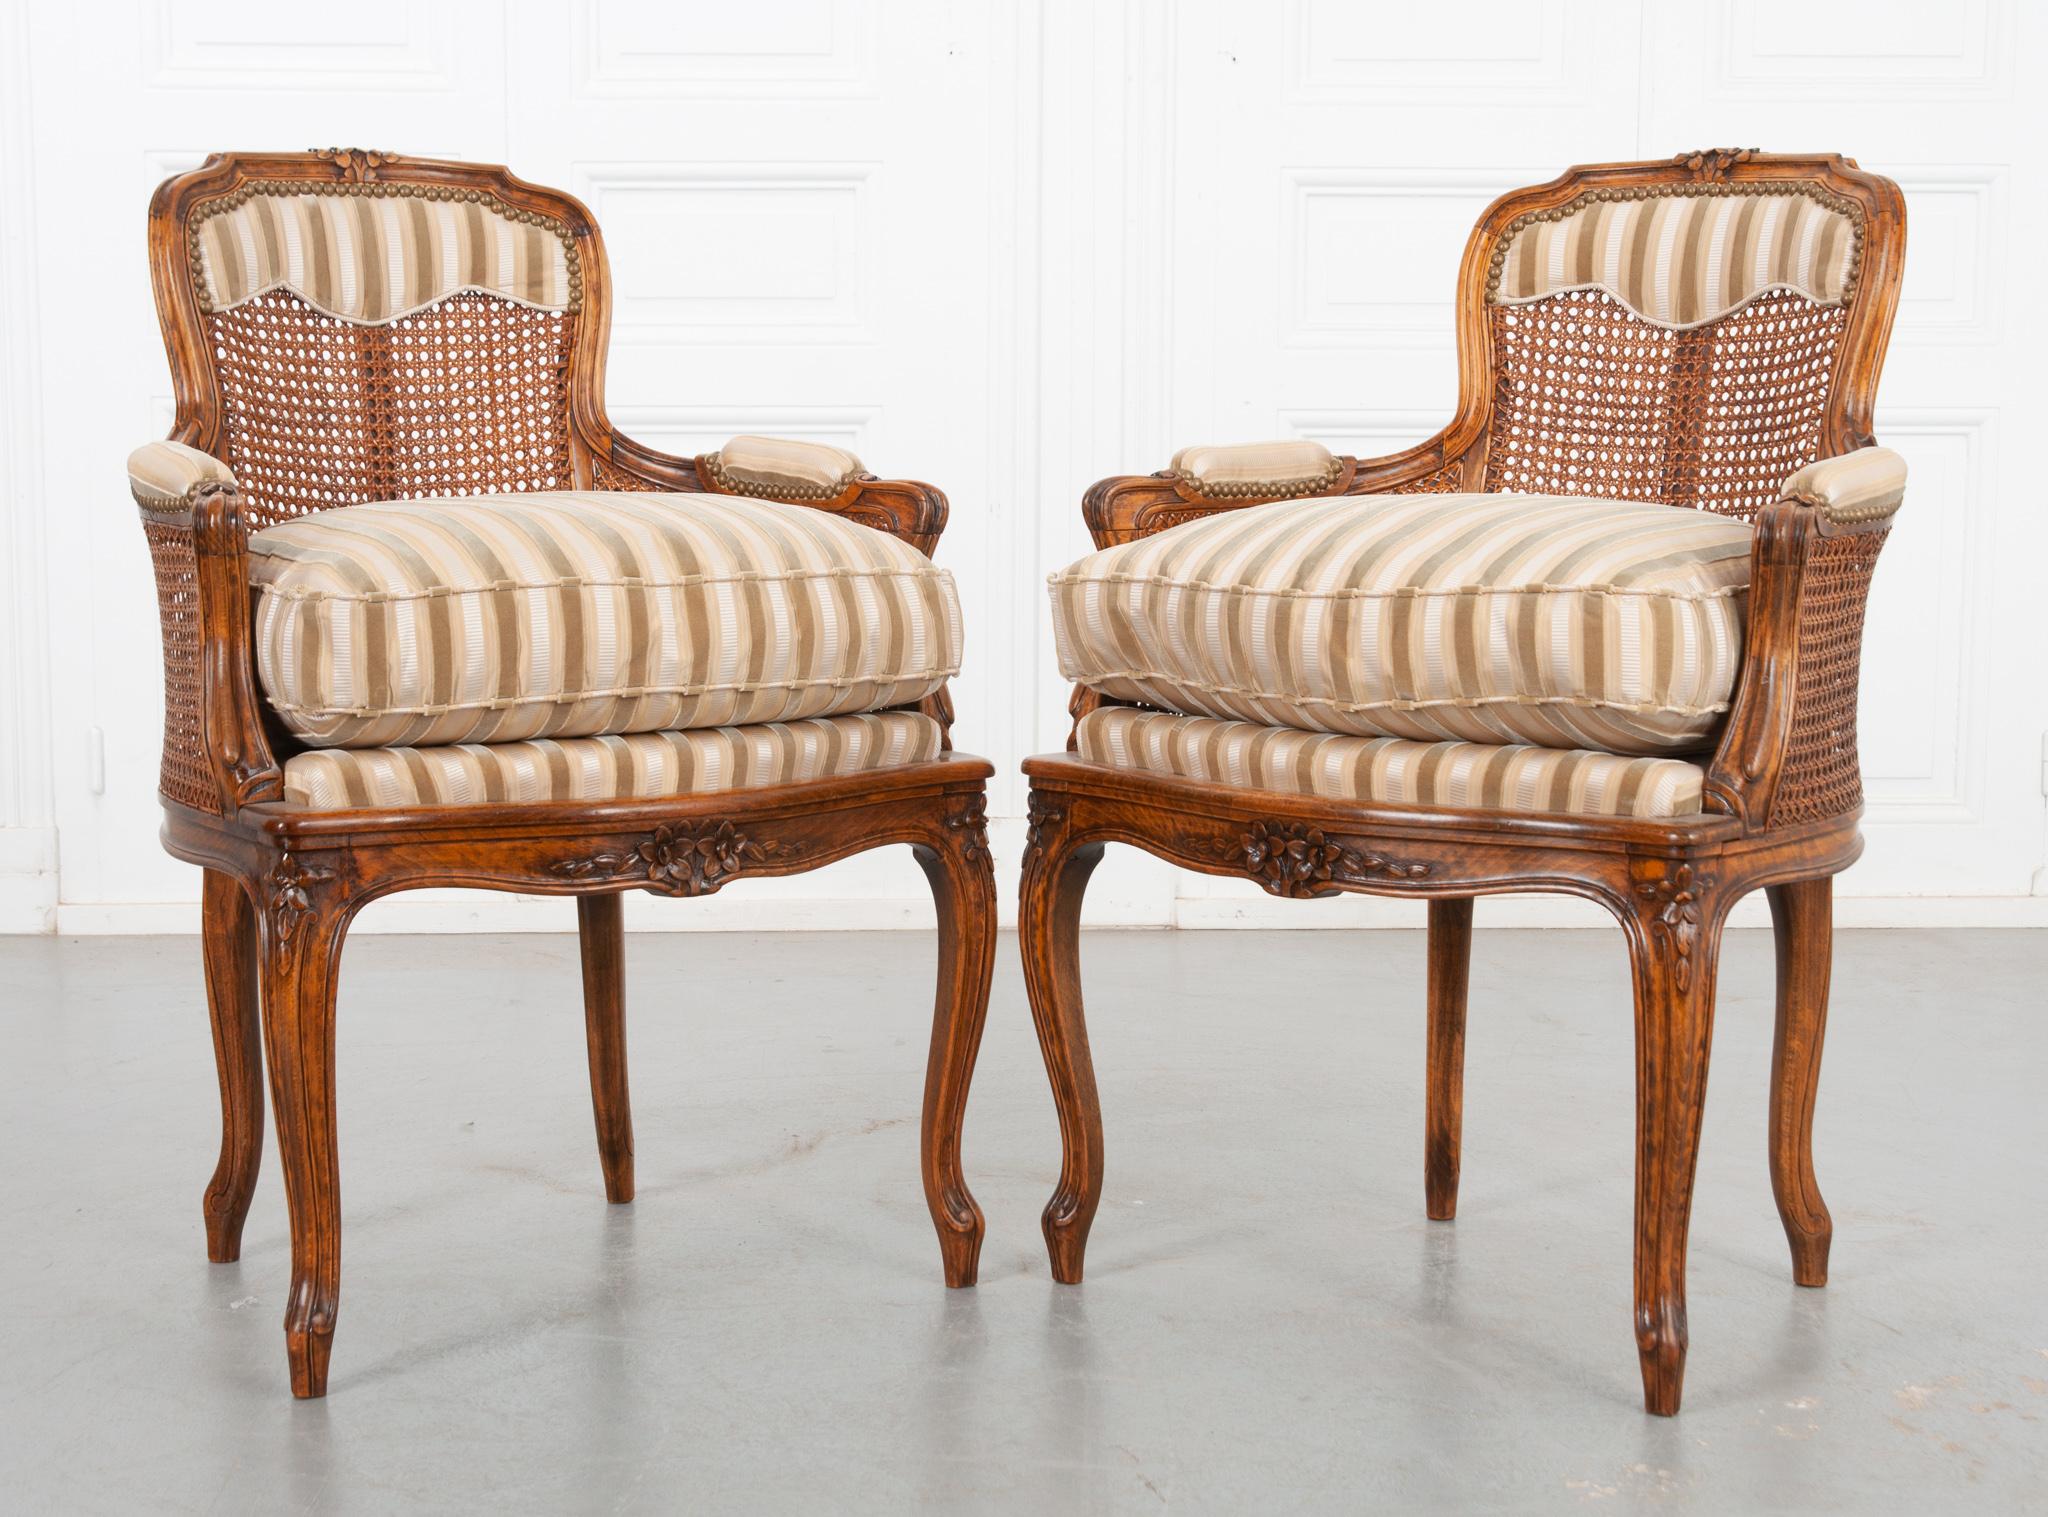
[(302, 936), (1802, 918), (601, 921), (1450, 962), (1674, 943), (963, 883), (229, 934), (1048, 934)]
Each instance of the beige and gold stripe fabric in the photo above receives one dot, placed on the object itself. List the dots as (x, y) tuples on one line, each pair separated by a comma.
[(1551, 620), (164, 473), (1291, 466), (637, 766), (783, 468), (560, 614), (374, 258), (1683, 260), (1387, 769), (1867, 485)]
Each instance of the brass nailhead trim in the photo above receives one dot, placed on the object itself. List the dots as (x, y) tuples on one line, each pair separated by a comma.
[(740, 484), (1278, 489), (378, 189), (1800, 187), (1869, 511)]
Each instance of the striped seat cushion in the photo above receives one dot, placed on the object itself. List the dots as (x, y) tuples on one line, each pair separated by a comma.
[(1389, 769), (502, 617), (638, 766), (1550, 620)]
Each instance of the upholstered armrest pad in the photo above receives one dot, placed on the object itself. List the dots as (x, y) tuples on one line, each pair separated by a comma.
[(776, 468), (1863, 486), (1293, 467), (166, 473)]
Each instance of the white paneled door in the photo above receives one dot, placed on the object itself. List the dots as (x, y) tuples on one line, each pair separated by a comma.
[(1011, 247)]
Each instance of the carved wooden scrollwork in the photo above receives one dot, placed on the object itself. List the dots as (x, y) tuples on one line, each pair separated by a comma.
[(1714, 162), (291, 894), (1296, 860), (682, 860), (1042, 818), (358, 165), (1676, 898), (969, 825)]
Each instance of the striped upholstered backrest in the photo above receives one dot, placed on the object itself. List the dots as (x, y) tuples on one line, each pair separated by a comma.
[(1681, 260), (372, 258), (1670, 333), (365, 327)]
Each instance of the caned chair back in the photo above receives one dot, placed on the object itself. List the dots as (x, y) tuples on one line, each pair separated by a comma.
[(349, 326), (1690, 332)]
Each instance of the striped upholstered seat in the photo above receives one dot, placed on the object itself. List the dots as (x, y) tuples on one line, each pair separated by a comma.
[(1389, 770), (495, 619), (1551, 621), (638, 766)]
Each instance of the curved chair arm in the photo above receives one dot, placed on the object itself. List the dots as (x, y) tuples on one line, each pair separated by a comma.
[(1788, 751), (1126, 507), (216, 756), (904, 508), (1857, 491)]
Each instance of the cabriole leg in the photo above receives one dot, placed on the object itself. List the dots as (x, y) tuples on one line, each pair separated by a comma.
[(229, 930), (1674, 943), (963, 885), (1802, 919), (1048, 934), (302, 950)]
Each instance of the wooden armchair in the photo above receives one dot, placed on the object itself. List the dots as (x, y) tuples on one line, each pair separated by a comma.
[(1543, 685), (407, 643)]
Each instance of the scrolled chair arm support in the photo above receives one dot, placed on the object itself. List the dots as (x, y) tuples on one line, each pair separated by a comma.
[(191, 510), (1202, 481), (1792, 718), (806, 474)]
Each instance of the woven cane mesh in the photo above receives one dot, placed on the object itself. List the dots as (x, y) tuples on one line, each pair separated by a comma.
[(609, 476), (1590, 399), (1821, 777), (468, 396), (1448, 480), (186, 777)]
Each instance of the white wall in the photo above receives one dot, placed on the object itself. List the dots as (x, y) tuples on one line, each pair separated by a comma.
[(1011, 248)]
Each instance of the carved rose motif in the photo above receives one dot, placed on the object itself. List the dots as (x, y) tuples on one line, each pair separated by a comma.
[(681, 860), (1678, 920), (291, 895)]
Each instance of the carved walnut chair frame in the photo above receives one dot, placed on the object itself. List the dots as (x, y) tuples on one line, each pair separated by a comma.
[(282, 884), (1782, 790)]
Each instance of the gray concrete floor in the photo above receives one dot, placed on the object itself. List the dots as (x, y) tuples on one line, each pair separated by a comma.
[(1269, 1324)]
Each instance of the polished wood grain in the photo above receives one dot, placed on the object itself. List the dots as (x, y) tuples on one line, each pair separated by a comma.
[(1450, 967), (283, 885), (1668, 883), (1802, 923), (1049, 915), (963, 890), (228, 933), (601, 927)]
